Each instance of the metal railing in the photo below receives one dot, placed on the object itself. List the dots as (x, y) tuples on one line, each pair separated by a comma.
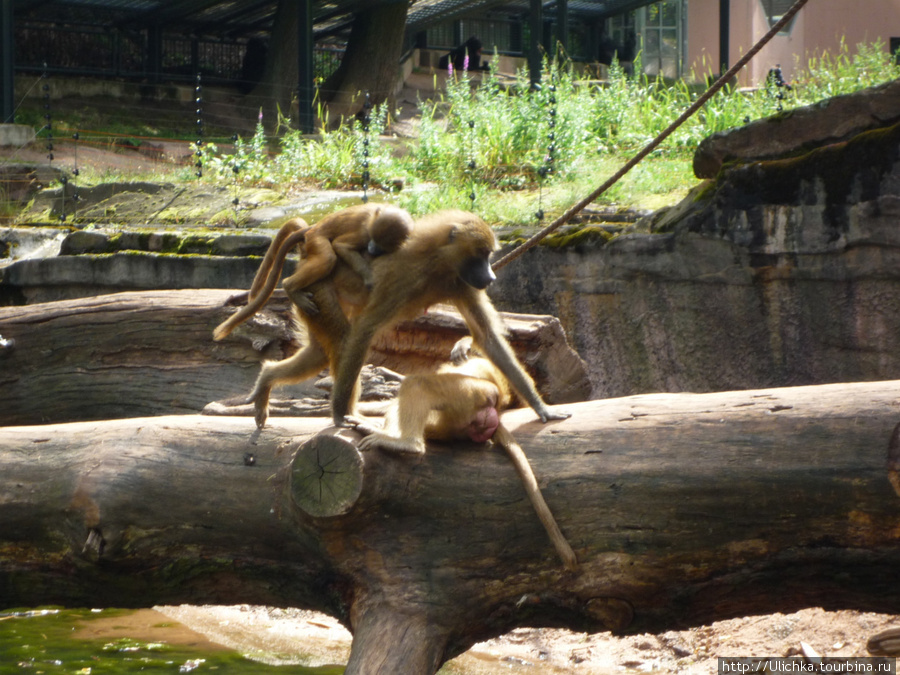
[(47, 48)]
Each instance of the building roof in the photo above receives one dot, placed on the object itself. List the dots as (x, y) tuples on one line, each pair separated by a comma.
[(425, 12), (246, 18)]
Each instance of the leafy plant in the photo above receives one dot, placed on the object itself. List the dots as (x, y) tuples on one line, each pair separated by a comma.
[(520, 149)]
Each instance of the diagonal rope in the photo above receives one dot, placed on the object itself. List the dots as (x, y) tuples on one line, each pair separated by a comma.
[(652, 145)]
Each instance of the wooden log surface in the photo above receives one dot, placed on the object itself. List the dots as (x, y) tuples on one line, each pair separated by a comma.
[(146, 353), (682, 509)]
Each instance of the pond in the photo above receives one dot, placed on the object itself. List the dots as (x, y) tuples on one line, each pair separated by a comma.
[(114, 641)]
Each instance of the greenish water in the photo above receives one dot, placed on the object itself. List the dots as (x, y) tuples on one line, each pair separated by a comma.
[(95, 642)]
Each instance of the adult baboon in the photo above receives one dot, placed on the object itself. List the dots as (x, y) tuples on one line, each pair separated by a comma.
[(445, 259)]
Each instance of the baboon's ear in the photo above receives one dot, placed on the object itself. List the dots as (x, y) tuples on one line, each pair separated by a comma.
[(453, 233)]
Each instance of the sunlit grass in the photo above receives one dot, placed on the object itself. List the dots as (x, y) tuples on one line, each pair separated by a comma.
[(508, 150)]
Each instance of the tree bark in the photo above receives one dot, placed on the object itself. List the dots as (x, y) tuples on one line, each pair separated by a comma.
[(682, 508), (279, 81), (371, 62), (151, 353)]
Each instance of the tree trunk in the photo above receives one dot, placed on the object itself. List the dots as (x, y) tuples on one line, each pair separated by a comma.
[(151, 353), (682, 508), (279, 82), (371, 62)]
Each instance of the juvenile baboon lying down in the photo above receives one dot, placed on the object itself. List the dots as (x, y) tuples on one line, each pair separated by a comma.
[(444, 259), (461, 401), (345, 235)]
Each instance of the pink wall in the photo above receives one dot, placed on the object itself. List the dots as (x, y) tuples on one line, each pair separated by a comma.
[(818, 27), (702, 39)]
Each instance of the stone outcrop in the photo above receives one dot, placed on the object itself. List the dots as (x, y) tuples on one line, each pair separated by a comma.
[(780, 272), (830, 121), (20, 181)]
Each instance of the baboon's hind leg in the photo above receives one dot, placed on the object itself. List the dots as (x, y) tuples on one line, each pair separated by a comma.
[(306, 363)]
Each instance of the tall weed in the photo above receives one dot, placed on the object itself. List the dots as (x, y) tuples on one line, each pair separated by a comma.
[(490, 138)]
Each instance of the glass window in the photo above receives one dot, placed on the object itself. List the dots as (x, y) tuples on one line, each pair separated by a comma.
[(775, 9), (660, 30)]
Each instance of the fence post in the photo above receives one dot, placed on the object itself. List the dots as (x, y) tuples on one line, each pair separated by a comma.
[(7, 52), (724, 34), (305, 81), (536, 26)]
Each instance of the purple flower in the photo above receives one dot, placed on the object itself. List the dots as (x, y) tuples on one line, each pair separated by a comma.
[(466, 62), (450, 67)]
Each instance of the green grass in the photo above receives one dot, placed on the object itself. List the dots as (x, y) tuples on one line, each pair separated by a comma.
[(518, 150)]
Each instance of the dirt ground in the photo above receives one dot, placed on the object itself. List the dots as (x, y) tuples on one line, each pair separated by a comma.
[(277, 636)]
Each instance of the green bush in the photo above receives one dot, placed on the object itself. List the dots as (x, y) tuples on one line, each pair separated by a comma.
[(493, 140)]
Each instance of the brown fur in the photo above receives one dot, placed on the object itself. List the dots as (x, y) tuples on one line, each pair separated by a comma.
[(291, 234), (440, 260), (445, 254), (345, 235), (341, 235), (453, 404)]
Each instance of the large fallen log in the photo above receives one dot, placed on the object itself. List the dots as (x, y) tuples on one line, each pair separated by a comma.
[(151, 353), (681, 508)]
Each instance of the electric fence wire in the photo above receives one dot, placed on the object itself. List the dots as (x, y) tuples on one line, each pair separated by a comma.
[(366, 121), (547, 167), (198, 99)]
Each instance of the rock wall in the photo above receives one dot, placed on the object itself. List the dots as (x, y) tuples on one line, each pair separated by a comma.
[(778, 272)]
